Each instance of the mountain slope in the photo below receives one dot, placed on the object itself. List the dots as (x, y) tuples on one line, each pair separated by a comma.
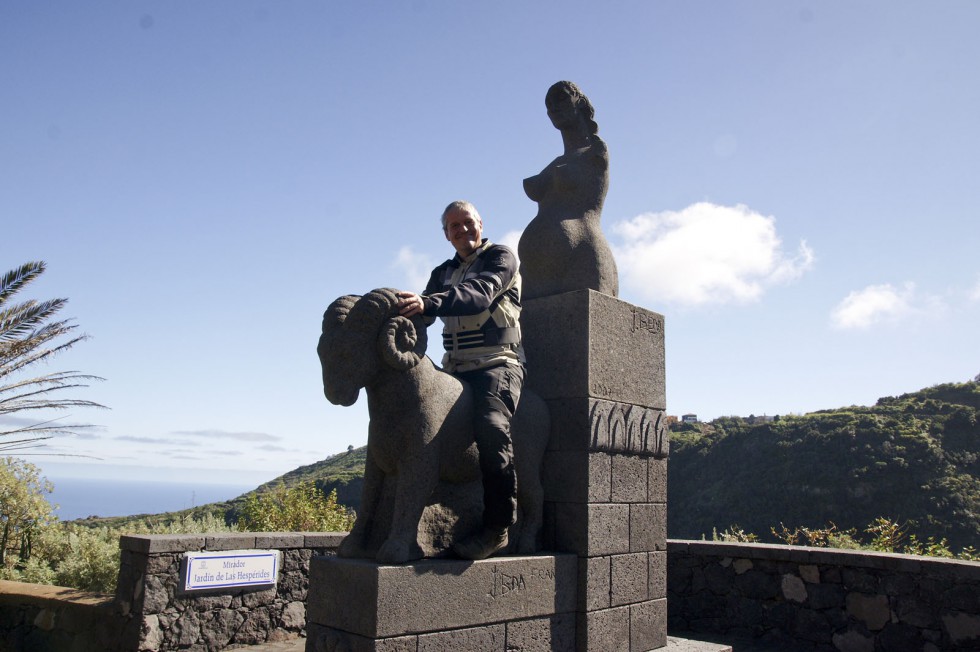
[(911, 458)]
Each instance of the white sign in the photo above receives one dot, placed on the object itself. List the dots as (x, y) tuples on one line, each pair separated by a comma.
[(214, 570)]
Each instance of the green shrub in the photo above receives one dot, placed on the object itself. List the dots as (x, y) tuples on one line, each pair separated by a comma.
[(301, 508)]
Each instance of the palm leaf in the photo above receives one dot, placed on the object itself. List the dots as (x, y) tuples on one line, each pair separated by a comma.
[(27, 337), (15, 279)]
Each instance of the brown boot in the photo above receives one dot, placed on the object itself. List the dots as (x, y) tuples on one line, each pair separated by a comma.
[(483, 544)]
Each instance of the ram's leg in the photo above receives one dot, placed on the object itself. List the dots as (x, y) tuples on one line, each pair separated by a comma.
[(355, 544), (416, 480)]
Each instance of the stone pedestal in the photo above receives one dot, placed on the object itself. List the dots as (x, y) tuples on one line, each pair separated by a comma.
[(599, 364), (496, 605)]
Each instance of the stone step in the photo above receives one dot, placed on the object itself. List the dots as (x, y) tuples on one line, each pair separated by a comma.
[(677, 644), (292, 645), (674, 644)]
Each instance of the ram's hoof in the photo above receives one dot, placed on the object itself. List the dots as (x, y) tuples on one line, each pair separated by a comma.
[(351, 548), (396, 552)]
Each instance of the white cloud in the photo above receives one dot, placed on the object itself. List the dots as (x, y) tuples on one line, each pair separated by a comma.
[(974, 294), (510, 240), (874, 304), (416, 268), (704, 254), (220, 434)]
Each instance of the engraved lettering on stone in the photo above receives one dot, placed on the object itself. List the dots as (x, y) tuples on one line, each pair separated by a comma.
[(505, 584), (625, 428), (543, 573), (644, 321)]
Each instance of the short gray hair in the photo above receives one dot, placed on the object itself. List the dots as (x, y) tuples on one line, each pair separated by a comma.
[(460, 205)]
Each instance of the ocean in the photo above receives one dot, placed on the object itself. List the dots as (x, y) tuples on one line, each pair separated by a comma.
[(82, 497)]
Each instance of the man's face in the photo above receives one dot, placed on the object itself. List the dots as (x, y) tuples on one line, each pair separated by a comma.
[(464, 231)]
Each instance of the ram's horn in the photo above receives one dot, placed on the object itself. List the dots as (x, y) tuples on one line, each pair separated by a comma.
[(370, 311), (401, 343), (336, 312)]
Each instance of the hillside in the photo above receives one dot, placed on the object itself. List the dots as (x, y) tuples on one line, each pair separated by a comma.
[(343, 472), (911, 458)]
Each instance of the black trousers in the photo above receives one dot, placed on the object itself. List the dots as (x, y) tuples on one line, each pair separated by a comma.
[(496, 393)]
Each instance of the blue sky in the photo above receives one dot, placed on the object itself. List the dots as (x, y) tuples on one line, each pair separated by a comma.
[(793, 185)]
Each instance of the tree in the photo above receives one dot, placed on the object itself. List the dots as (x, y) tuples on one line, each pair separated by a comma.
[(24, 510), (27, 337), (301, 508)]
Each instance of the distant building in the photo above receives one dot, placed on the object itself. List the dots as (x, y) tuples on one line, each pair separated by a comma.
[(689, 418)]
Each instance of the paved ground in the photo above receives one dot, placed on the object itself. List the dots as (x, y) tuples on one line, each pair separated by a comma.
[(295, 645), (688, 642), (720, 642), (677, 644)]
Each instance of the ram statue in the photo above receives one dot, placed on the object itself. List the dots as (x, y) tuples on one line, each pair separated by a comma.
[(420, 436)]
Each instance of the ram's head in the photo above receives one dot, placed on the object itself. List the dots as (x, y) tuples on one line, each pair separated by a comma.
[(362, 336)]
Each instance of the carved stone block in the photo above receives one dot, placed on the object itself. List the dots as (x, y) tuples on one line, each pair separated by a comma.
[(657, 575), (629, 479), (577, 477), (588, 344), (599, 425), (606, 629), (592, 530), (593, 583), (328, 639), (648, 527), (374, 601), (657, 480), (648, 625), (629, 577), (549, 634), (490, 638)]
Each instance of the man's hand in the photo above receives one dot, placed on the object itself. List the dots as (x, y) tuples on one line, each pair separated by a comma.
[(410, 304)]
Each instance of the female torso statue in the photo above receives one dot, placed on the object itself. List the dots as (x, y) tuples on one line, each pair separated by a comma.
[(563, 248)]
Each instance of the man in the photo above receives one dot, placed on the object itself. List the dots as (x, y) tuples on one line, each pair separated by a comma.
[(477, 294)]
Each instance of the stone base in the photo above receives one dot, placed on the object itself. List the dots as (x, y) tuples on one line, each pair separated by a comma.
[(676, 644), (448, 604), (545, 634)]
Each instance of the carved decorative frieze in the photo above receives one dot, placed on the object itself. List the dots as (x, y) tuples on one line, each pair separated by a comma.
[(626, 428)]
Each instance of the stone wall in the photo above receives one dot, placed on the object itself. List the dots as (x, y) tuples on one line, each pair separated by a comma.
[(821, 599), (41, 618), (159, 615)]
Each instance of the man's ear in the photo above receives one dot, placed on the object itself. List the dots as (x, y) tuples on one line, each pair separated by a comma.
[(445, 232)]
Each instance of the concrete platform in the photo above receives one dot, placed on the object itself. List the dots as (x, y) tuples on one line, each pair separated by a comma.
[(674, 644), (294, 645), (677, 644)]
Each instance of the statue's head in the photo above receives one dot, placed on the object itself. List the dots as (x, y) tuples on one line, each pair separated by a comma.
[(362, 335), (567, 103)]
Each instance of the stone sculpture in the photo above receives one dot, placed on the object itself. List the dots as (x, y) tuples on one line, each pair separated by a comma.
[(563, 248), (420, 431)]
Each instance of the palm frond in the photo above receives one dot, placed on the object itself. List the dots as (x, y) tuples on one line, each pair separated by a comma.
[(52, 381), (51, 426), (18, 444), (27, 338), (23, 354), (22, 319), (16, 279)]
